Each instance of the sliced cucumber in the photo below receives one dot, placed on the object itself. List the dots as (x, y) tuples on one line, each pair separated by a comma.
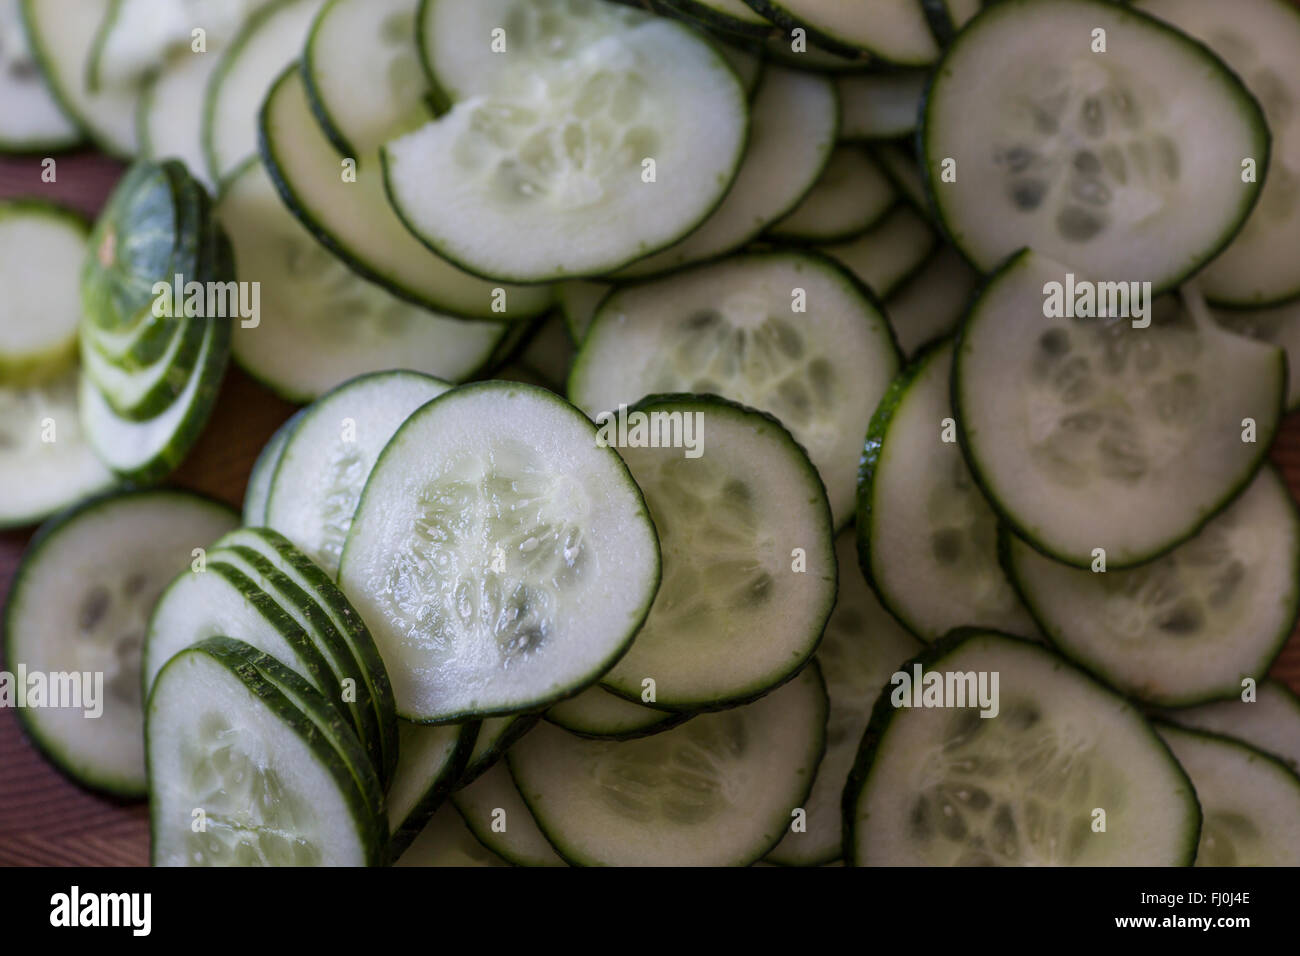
[(309, 296), (1250, 801), (545, 358), (578, 302), (273, 789), (601, 715), (432, 762), (325, 463), (880, 105), (169, 116), (732, 329), (1189, 626), (852, 195), (140, 394), (447, 841), (718, 790), (32, 119), (863, 646), (1127, 165), (481, 552), (1260, 41), (731, 16), (1089, 433), (259, 479), (1269, 721), (942, 785), (899, 163), (890, 253), (1279, 325), (499, 819), (891, 30), (792, 134), (496, 736), (947, 17), (747, 62), (931, 303), (797, 53)]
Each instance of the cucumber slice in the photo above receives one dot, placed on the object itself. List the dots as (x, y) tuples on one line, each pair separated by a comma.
[(447, 841), (731, 329), (792, 134), (719, 790), (62, 36), (735, 615), (799, 54), (1250, 801), (901, 166), (1260, 41), (496, 736), (894, 31), (495, 499), (541, 176), (354, 220), (947, 17), (75, 608), (259, 479), (169, 116), (890, 253), (1126, 165), (274, 790), (931, 303), (432, 762), (863, 646), (852, 195), (731, 16), (140, 394), (1189, 626), (312, 301), (1270, 722), (748, 64), (927, 540), (1280, 326), (937, 786), (578, 302), (546, 357), (600, 715), (269, 41), (32, 120), (880, 105), (325, 463), (41, 249), (1089, 433), (499, 819)]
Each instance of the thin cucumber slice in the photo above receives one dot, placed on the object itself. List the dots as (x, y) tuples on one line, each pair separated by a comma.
[(793, 124), (1191, 625), (496, 499), (32, 120), (927, 540), (545, 358), (901, 166), (499, 819), (1250, 801), (447, 841), (731, 16), (140, 394), (735, 615), (46, 463), (273, 789), (41, 249), (1126, 165), (598, 714), (544, 175), (894, 31), (1089, 433), (169, 117), (1269, 721), (62, 35), (431, 764), (1279, 325), (325, 463), (496, 736), (269, 41), (259, 479), (931, 303), (880, 105), (944, 786), (717, 791), (863, 646), (352, 217), (851, 196), (890, 253), (77, 609), (732, 329), (578, 301), (1260, 41), (312, 301)]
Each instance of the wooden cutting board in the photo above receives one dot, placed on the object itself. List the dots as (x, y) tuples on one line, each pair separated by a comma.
[(44, 818)]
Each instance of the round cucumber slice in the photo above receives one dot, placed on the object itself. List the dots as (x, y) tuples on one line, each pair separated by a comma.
[(76, 610), (1127, 164), (945, 786), (1280, 326), (1269, 720), (259, 479), (498, 817), (601, 715), (717, 791), (890, 253), (482, 552), (880, 105), (852, 195), (431, 764), (169, 116), (1189, 626), (931, 303), (1089, 433), (447, 841), (33, 120), (496, 736)]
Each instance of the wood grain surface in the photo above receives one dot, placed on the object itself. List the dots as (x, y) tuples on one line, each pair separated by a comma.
[(45, 819)]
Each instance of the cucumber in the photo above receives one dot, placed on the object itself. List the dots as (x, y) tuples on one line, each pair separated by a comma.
[(499, 819), (851, 196), (578, 302), (947, 17), (41, 249), (274, 790), (863, 646), (1251, 802), (539, 174), (601, 715), (1125, 174), (927, 541), (876, 106), (447, 841), (325, 462), (1269, 720), (894, 31), (259, 479), (313, 301), (1050, 421), (900, 165), (496, 736), (76, 607), (477, 550), (169, 115), (1279, 325), (1191, 625), (432, 762), (890, 253), (738, 613), (1260, 41), (32, 121), (545, 358), (944, 786), (930, 304), (731, 328), (140, 394), (798, 54), (792, 134), (730, 16), (719, 790)]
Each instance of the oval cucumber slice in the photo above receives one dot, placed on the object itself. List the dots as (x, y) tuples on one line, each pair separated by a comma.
[(33, 120), (601, 715), (880, 105), (931, 303), (850, 197), (890, 253), (447, 841), (1268, 721), (431, 764), (499, 819), (259, 479), (1280, 326), (169, 116)]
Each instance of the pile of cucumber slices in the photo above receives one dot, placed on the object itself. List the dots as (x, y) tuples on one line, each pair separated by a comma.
[(731, 431)]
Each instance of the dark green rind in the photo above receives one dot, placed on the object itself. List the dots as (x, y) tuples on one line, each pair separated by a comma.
[(666, 721), (94, 82), (879, 151), (268, 459), (883, 713), (328, 125), (788, 22), (1288, 695), (496, 749), (816, 60), (448, 778), (714, 19), (939, 19)]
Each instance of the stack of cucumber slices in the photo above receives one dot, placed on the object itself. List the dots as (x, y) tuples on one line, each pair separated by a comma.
[(731, 431)]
